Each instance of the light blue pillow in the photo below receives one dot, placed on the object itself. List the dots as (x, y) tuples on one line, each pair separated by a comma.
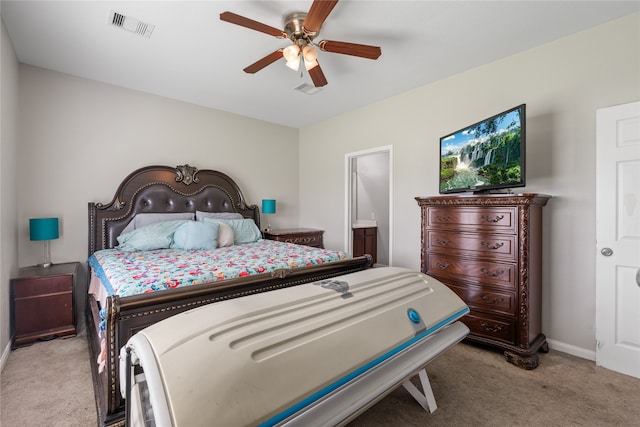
[(196, 235), (200, 215), (158, 235), (144, 219), (244, 230)]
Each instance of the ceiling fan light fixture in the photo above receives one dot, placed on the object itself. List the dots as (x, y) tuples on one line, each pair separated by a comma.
[(291, 52), (294, 64), (309, 53)]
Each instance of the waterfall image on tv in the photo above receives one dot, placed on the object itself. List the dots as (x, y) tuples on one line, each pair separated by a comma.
[(485, 156)]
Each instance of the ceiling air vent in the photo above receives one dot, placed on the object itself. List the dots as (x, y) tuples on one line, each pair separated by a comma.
[(307, 88), (130, 24)]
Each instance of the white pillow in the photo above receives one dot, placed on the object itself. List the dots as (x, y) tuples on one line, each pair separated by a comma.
[(225, 235)]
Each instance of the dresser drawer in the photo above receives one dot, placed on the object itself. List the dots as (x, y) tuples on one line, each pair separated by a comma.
[(494, 219), (486, 300), (489, 327), (474, 271), (478, 245)]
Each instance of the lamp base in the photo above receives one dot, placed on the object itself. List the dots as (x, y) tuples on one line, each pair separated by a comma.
[(47, 255)]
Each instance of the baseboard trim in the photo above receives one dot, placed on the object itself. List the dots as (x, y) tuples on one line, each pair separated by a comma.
[(572, 349), (5, 356)]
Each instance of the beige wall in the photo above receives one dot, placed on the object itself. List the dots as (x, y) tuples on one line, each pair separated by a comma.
[(562, 83), (8, 189), (80, 138)]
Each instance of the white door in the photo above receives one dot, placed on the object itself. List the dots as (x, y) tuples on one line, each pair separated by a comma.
[(618, 239)]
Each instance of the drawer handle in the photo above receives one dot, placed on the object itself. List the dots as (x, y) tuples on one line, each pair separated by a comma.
[(442, 218), (495, 273), (488, 245), (497, 218), (443, 266), (490, 300), (491, 328), (442, 242)]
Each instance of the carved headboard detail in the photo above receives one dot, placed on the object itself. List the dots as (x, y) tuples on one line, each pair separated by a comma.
[(164, 189)]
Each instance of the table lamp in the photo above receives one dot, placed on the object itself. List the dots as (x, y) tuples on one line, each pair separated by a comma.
[(45, 229), (268, 208)]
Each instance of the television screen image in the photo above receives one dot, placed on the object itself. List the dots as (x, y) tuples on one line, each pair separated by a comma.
[(487, 155)]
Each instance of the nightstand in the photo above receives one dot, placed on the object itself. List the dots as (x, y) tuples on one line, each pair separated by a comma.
[(43, 303), (299, 236)]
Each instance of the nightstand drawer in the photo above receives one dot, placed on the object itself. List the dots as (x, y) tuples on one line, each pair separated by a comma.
[(298, 236), (43, 314), (34, 286)]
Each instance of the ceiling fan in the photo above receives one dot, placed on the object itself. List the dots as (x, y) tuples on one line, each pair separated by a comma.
[(302, 28)]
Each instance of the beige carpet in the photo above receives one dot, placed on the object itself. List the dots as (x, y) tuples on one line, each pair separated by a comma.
[(49, 384)]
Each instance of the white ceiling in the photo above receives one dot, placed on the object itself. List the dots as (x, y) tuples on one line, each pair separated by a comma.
[(192, 56)]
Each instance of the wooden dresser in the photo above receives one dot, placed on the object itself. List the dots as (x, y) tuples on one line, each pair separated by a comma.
[(299, 236), (488, 249)]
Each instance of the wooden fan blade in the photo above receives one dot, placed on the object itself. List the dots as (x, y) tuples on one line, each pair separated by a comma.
[(318, 12), (353, 49), (317, 76), (251, 24), (261, 63)]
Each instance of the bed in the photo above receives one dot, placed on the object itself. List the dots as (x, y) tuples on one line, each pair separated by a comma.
[(113, 318)]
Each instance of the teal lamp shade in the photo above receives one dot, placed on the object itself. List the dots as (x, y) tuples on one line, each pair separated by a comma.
[(44, 229), (268, 206)]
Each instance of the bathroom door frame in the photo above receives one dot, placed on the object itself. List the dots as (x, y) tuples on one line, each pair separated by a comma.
[(348, 180)]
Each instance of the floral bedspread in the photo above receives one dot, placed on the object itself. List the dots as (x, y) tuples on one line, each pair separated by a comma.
[(126, 273)]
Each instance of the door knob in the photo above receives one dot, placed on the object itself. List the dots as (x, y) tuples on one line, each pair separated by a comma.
[(606, 251), (638, 277)]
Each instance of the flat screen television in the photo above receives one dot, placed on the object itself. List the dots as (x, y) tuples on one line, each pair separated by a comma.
[(488, 155)]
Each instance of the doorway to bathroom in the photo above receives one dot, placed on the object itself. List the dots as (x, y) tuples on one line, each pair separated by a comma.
[(369, 201)]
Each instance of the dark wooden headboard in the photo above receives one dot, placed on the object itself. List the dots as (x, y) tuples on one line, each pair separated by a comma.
[(163, 189)]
